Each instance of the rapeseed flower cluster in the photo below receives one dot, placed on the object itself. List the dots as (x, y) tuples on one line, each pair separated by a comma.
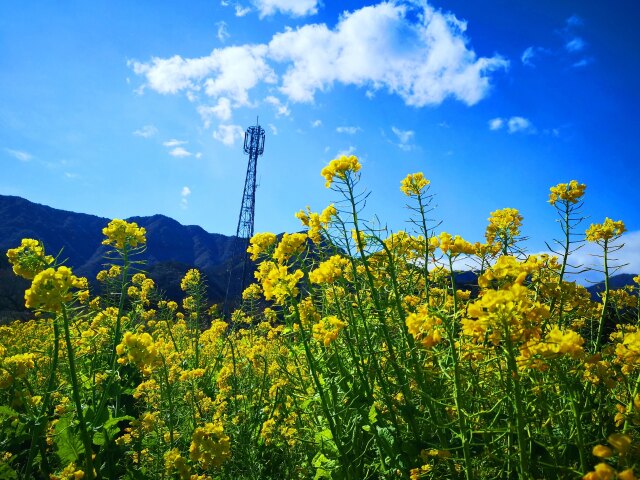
[(425, 327), (29, 258), (340, 167), (210, 446), (51, 288), (605, 231), (414, 184), (316, 223), (569, 193), (326, 331), (291, 244), (121, 234), (259, 244), (190, 280), (330, 270), (504, 226)]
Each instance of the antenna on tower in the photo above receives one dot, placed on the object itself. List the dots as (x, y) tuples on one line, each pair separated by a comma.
[(238, 269)]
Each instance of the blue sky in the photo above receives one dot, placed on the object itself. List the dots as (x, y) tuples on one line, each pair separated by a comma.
[(133, 108)]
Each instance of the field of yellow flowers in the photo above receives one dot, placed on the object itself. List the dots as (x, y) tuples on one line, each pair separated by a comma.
[(355, 355)]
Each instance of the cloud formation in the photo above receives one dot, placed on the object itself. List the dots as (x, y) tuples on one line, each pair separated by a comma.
[(418, 53), (180, 152), (404, 137), (349, 130), (228, 134), (222, 33), (379, 47), (184, 197), (513, 124), (19, 154), (295, 8), (147, 131), (173, 143), (280, 108)]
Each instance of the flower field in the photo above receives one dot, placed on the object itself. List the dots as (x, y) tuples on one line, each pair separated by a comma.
[(355, 355)]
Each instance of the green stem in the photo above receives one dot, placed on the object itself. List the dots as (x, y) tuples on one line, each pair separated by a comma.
[(37, 431), (465, 433), (84, 434), (514, 377), (605, 302)]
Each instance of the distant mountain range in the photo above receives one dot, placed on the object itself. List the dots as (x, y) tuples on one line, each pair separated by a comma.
[(172, 249)]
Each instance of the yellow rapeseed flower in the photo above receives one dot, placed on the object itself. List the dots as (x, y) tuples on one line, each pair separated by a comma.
[(605, 231), (190, 280), (51, 287), (340, 167), (259, 244), (570, 192), (29, 258), (120, 234), (209, 446), (329, 271), (290, 245), (414, 184), (503, 225)]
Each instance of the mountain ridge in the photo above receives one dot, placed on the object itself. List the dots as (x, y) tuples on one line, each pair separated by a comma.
[(172, 248)]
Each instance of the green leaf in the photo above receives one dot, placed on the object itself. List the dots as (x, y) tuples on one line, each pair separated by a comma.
[(322, 465), (373, 415), (6, 412), (6, 472), (109, 430), (325, 440), (67, 441)]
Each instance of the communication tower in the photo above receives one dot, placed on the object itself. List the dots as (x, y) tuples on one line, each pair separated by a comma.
[(238, 269)]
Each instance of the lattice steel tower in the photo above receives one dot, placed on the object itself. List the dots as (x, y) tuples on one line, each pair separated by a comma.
[(254, 147)]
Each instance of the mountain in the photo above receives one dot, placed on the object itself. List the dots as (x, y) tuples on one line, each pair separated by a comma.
[(172, 248), (616, 282)]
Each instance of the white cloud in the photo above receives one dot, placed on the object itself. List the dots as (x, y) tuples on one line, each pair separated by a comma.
[(574, 21), (404, 136), (519, 124), (184, 194), (347, 151), (416, 52), (349, 130), (198, 155), (147, 131), (583, 63), (528, 55), (273, 128), (173, 143), (241, 11), (280, 108), (19, 154), (180, 152), (71, 176), (378, 46), (513, 124), (496, 123), (228, 134), (316, 123), (576, 44), (229, 72), (222, 33), (221, 111), (295, 8), (532, 53)]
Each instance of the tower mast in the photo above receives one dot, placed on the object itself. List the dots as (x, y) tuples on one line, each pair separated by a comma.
[(254, 147)]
